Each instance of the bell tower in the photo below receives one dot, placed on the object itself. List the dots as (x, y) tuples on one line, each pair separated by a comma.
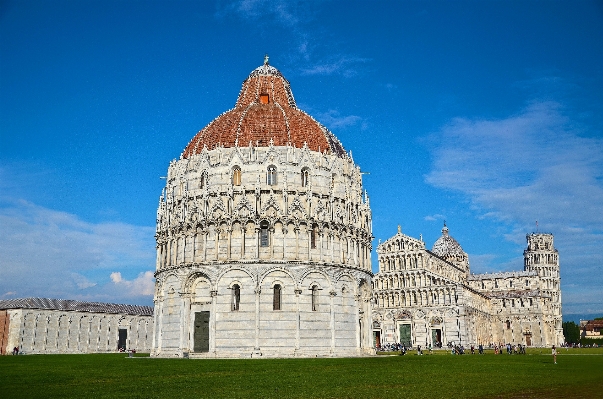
[(541, 257)]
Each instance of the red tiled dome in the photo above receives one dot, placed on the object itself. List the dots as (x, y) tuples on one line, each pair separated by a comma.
[(265, 110)]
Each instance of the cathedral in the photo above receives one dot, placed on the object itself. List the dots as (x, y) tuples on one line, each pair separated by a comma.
[(429, 297), (263, 237)]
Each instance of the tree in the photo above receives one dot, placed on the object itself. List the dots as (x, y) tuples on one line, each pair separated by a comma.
[(571, 331)]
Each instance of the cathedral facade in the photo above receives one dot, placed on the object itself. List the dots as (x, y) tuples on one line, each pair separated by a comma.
[(263, 237), (429, 297)]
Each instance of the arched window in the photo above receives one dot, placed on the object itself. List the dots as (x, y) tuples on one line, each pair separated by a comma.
[(264, 238), (236, 176), (203, 180), (508, 325), (305, 175), (271, 175), (314, 298), (276, 297), (313, 234), (236, 296)]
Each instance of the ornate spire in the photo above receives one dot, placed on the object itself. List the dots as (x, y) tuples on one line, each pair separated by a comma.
[(266, 59)]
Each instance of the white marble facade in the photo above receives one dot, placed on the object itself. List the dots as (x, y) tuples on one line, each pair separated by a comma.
[(428, 297), (264, 250)]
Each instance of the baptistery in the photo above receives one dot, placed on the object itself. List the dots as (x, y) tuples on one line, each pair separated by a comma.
[(263, 236)]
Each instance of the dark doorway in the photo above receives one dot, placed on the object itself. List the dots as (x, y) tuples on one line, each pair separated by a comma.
[(528, 340), (123, 338), (436, 337), (405, 335), (201, 335), (377, 339)]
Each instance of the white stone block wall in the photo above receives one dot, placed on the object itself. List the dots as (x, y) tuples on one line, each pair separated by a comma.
[(54, 331)]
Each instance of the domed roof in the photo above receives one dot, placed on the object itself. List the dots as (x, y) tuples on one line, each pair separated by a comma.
[(447, 247), (265, 112)]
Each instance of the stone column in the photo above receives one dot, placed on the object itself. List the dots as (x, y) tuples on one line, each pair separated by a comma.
[(271, 241), (285, 231), (332, 300), (298, 317), (257, 242), (332, 238), (212, 322), (205, 234), (168, 255), (310, 231), (194, 248), (358, 314), (185, 316), (242, 256), (256, 349), (296, 229), (228, 243), (321, 235)]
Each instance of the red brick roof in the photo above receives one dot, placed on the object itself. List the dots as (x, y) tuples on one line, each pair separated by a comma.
[(259, 119), (592, 324)]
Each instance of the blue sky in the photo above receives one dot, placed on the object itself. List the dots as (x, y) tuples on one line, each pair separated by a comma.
[(486, 114)]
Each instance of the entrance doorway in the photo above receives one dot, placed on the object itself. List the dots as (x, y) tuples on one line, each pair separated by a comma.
[(201, 335), (528, 339), (377, 339), (436, 337), (405, 335), (123, 338)]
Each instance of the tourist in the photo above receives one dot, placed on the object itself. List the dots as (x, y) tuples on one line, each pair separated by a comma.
[(430, 349), (15, 351), (554, 354)]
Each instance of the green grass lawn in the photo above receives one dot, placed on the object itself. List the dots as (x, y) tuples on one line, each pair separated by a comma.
[(578, 374)]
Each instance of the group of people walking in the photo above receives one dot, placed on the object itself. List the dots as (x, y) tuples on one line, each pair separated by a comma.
[(515, 349)]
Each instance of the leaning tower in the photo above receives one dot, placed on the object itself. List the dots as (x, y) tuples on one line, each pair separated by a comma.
[(541, 257)]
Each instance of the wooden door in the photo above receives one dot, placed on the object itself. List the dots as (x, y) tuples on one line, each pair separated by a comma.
[(201, 335), (405, 335)]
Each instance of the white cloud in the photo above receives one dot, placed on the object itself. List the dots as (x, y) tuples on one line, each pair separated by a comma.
[(296, 18), (281, 11), (538, 165), (81, 281), (340, 64), (142, 285), (50, 253), (333, 120), (434, 217)]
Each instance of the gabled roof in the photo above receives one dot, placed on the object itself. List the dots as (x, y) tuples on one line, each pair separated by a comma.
[(75, 306)]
